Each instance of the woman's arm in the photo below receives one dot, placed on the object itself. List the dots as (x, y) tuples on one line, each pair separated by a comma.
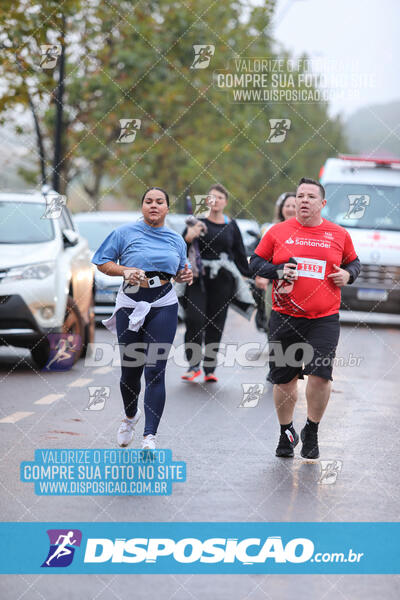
[(131, 274), (111, 268), (184, 273), (239, 252), (192, 232)]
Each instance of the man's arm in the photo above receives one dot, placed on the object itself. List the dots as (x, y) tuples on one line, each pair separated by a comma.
[(260, 261), (353, 268), (263, 268), (350, 261)]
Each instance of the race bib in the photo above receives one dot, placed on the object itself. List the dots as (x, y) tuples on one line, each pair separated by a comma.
[(311, 267)]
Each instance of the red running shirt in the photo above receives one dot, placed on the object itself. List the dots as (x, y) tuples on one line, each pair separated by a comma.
[(316, 250)]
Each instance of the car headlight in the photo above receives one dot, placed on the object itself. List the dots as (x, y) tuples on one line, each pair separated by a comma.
[(35, 271)]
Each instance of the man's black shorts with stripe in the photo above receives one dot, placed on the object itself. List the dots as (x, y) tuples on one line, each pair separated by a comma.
[(297, 340)]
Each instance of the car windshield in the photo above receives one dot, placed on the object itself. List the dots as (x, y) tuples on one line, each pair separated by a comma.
[(177, 222), (246, 225), (96, 231), (22, 223), (363, 206)]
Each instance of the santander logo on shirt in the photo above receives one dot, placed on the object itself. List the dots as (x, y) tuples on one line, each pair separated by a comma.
[(317, 243), (309, 242)]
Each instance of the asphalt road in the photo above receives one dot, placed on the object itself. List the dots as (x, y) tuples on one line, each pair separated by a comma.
[(232, 472)]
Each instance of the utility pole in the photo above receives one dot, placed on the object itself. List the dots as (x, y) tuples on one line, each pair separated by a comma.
[(58, 130)]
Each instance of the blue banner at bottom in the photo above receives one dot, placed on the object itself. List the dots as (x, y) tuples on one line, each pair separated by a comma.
[(151, 548)]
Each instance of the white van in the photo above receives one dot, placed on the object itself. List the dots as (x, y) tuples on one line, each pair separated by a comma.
[(363, 195)]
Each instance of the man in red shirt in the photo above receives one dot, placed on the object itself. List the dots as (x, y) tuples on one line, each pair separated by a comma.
[(309, 259)]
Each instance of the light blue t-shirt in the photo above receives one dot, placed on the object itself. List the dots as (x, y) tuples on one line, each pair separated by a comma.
[(149, 248)]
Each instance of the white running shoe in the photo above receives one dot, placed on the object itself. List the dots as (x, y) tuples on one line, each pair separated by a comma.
[(149, 442), (127, 429)]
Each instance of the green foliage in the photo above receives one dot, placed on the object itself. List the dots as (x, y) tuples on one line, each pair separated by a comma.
[(132, 60)]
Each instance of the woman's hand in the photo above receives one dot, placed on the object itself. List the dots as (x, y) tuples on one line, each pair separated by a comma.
[(184, 276), (134, 276), (194, 231)]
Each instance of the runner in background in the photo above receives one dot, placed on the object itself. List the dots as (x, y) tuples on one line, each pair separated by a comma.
[(285, 208), (309, 260), (222, 262)]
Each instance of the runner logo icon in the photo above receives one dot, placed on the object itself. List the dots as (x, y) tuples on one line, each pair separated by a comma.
[(251, 394), (279, 129), (62, 547), (203, 54)]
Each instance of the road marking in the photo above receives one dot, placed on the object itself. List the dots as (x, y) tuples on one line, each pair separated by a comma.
[(80, 382), (17, 416), (49, 399), (103, 370)]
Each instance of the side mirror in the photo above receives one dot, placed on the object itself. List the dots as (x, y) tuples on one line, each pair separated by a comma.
[(70, 237)]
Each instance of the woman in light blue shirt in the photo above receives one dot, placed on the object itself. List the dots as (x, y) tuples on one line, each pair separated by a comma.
[(145, 316)]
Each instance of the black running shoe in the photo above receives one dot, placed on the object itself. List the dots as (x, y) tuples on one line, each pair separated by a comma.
[(310, 443), (287, 442)]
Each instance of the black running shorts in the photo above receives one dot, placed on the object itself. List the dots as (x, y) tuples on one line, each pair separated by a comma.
[(300, 346)]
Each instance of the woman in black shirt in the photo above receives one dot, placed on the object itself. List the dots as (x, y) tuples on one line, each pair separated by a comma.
[(208, 298)]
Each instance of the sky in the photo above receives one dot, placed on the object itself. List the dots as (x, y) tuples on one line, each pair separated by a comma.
[(362, 33)]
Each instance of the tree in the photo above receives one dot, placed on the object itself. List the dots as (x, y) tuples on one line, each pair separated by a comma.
[(128, 60), (24, 29)]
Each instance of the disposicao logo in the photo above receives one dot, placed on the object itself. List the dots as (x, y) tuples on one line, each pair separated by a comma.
[(190, 550), (62, 547)]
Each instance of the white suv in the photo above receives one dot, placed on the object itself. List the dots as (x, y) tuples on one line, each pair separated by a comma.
[(46, 277)]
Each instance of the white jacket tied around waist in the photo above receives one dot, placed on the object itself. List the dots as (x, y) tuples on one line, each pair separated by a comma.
[(141, 309)]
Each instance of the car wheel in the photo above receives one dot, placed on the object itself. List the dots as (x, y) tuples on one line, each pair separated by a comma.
[(41, 352), (89, 330), (73, 323)]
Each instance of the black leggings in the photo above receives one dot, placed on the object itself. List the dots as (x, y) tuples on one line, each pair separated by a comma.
[(206, 311), (159, 327)]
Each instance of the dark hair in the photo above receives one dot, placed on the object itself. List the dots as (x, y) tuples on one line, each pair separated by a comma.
[(156, 188), (312, 182), (280, 203), (220, 188)]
